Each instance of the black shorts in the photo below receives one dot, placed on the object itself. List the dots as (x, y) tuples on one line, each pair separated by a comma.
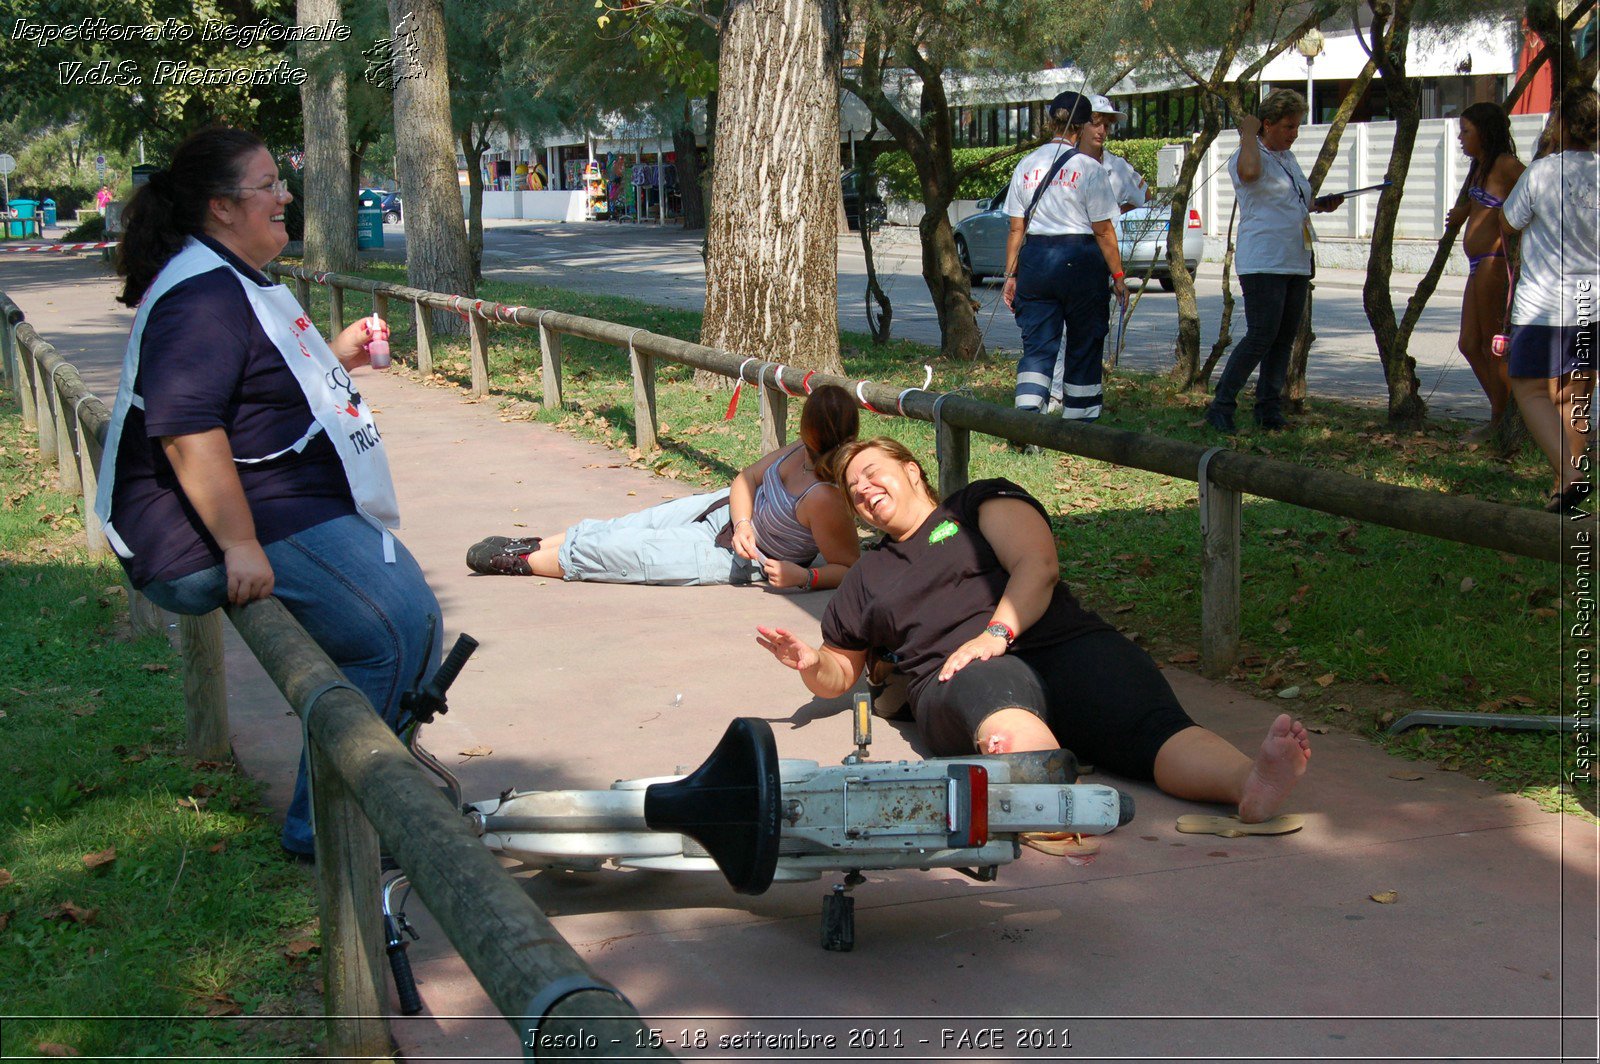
[(1552, 351), (1103, 698)]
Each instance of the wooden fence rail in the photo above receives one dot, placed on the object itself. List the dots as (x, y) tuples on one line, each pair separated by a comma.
[(1223, 476), (366, 787)]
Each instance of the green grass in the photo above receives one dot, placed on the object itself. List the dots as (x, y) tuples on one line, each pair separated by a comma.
[(197, 916), (1367, 623)]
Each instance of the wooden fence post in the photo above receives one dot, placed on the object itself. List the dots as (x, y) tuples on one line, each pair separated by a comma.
[(44, 405), (302, 292), (774, 405), (335, 310), (1220, 520), (424, 339), (205, 686), (479, 328), (955, 453), (27, 370), (89, 472), (644, 398), (8, 349), (351, 917), (550, 359), (144, 616), (67, 445), (380, 306)]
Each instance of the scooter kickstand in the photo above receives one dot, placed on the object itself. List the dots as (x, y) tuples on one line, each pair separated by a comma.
[(839, 915)]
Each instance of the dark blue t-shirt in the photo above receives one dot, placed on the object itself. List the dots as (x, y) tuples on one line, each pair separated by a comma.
[(206, 363)]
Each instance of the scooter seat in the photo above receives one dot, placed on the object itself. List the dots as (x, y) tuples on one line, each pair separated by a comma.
[(730, 805)]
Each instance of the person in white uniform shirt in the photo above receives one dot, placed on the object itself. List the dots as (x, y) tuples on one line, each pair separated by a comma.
[(1061, 254), (1555, 205), (1128, 189), (1272, 257)]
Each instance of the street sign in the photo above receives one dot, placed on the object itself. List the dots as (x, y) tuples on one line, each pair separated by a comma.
[(100, 166), (7, 164)]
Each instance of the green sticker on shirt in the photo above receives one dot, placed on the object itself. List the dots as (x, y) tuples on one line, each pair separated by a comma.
[(944, 531)]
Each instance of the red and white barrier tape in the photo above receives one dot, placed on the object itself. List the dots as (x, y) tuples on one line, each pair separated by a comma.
[(61, 247)]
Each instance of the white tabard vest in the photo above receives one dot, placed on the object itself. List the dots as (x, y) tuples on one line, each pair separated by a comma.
[(335, 407)]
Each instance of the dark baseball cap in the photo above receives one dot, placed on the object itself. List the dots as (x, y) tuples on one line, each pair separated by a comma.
[(1072, 106)]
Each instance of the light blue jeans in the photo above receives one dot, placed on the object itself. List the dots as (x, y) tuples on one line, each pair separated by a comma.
[(661, 545), (370, 617)]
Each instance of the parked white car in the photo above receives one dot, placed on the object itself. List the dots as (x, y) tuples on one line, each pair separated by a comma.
[(1141, 237)]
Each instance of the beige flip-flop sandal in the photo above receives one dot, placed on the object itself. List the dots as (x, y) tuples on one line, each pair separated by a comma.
[(1061, 843), (1231, 827)]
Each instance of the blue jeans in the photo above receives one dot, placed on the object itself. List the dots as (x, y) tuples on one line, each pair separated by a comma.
[(370, 617), (665, 544), (1061, 290), (1274, 303)]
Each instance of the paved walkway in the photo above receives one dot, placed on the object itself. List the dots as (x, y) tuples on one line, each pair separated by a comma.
[(1167, 946)]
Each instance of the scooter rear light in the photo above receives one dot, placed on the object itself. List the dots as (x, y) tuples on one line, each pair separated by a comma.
[(968, 815)]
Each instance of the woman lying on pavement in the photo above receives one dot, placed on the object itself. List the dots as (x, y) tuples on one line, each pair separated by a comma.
[(770, 525), (1000, 656)]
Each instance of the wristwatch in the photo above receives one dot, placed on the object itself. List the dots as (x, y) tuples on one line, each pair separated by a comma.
[(1002, 630)]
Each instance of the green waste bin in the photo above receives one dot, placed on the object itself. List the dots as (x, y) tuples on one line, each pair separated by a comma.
[(24, 223), (369, 228)]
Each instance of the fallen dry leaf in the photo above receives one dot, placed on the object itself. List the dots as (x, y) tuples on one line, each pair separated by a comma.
[(196, 804), (153, 666), (1385, 897), (92, 861), (299, 947), (71, 912), (1468, 584), (56, 1049), (217, 847), (1184, 657), (5, 878), (1325, 679), (476, 751), (5, 918)]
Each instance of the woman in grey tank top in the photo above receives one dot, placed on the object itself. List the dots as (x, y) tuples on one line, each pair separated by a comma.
[(774, 524)]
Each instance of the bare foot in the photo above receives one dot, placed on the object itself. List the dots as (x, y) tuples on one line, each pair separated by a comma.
[(1278, 767)]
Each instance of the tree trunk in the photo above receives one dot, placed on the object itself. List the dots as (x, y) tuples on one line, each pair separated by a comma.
[(1185, 369), (881, 317), (473, 148), (1391, 29), (772, 245), (928, 143), (329, 190), (436, 238), (1295, 390), (689, 191), (1225, 326)]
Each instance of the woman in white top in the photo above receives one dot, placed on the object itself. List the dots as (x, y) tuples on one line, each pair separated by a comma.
[(1272, 257), (1556, 208)]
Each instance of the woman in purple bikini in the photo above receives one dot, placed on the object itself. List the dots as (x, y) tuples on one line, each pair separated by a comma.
[(1485, 138)]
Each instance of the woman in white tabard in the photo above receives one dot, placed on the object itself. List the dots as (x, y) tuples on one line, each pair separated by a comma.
[(1272, 257), (241, 461), (1556, 208)]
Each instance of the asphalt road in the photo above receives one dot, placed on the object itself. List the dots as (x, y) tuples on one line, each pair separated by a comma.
[(663, 266)]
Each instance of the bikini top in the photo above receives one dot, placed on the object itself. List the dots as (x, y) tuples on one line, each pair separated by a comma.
[(1485, 197)]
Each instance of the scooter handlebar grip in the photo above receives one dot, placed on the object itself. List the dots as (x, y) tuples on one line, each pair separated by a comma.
[(453, 662)]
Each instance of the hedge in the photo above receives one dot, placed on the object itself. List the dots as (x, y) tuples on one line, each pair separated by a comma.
[(898, 175)]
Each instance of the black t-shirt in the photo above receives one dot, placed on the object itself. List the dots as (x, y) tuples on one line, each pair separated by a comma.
[(925, 596), (205, 363)]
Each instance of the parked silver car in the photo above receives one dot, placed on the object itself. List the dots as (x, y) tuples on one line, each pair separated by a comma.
[(1141, 237)]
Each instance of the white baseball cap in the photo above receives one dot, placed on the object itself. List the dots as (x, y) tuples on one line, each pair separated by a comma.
[(1102, 106)]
